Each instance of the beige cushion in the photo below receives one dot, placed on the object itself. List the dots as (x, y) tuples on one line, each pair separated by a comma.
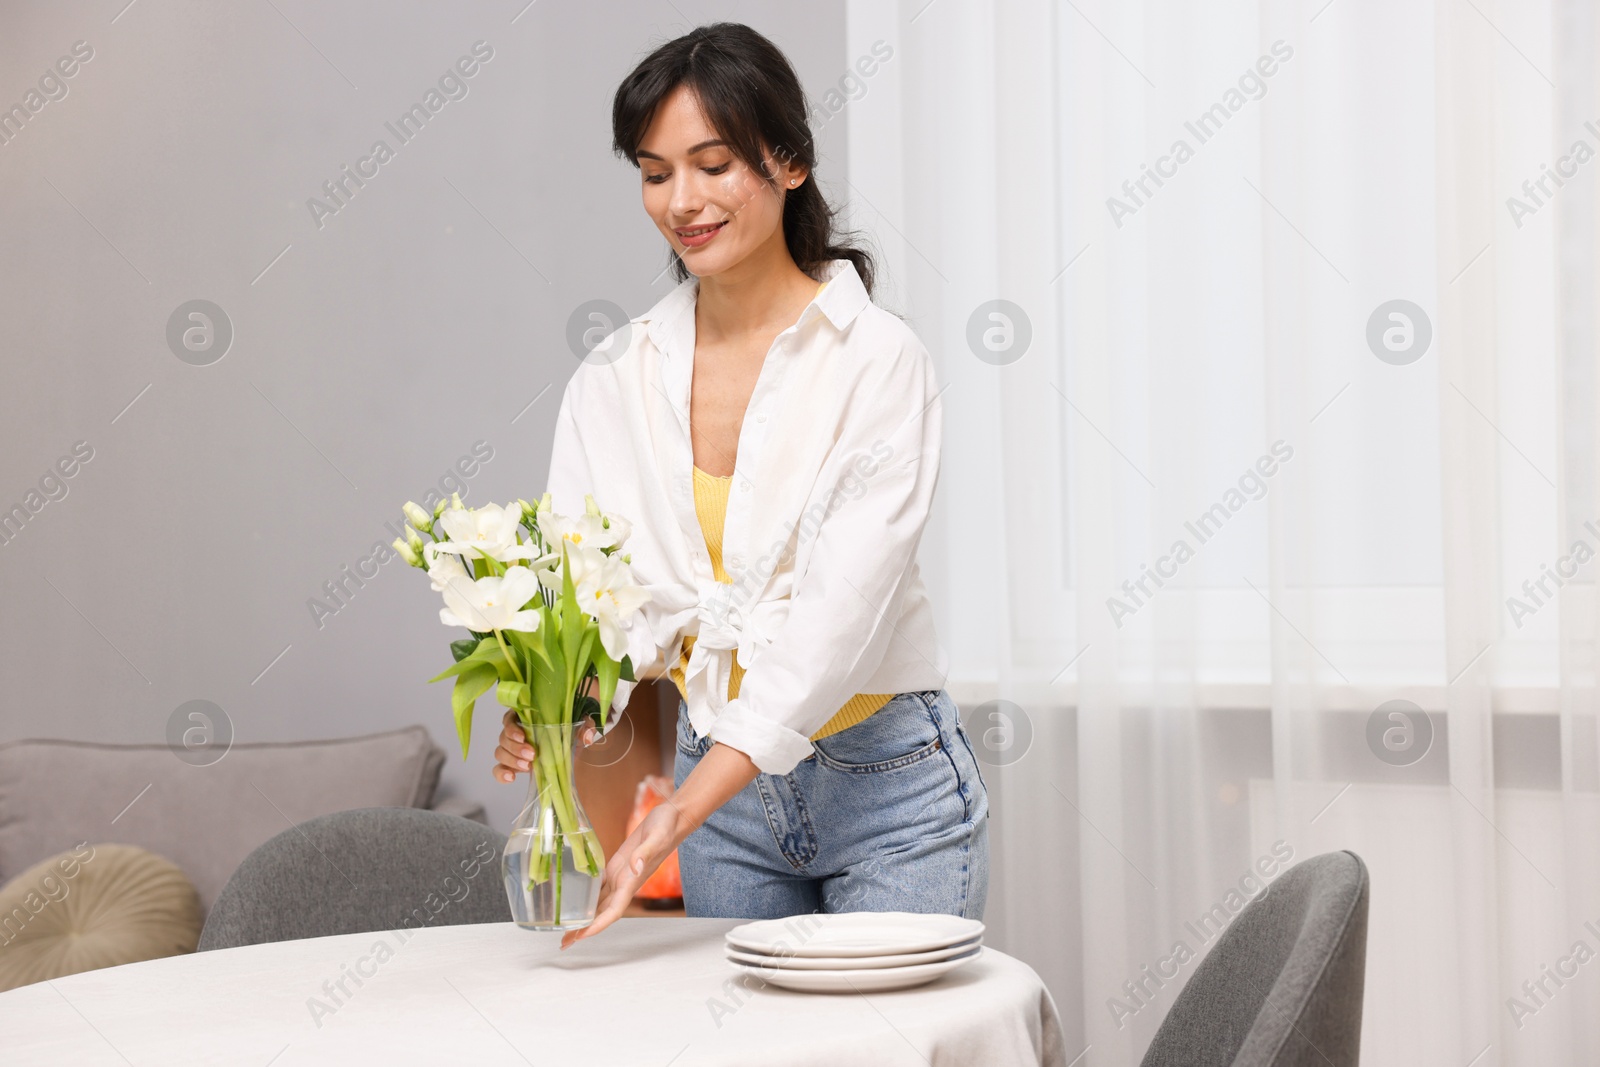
[(94, 906), (54, 794)]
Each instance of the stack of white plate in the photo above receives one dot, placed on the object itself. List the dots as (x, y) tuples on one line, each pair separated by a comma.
[(854, 952)]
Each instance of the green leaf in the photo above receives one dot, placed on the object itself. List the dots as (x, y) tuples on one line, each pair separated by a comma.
[(487, 653), (572, 626), (606, 672), (463, 648), (588, 708), (530, 644), (552, 698), (627, 669), (555, 661), (464, 697), (513, 694), (547, 696), (588, 647)]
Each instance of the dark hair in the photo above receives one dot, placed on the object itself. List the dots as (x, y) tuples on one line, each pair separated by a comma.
[(753, 99)]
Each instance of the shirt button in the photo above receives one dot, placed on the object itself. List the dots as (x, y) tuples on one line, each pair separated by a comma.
[(761, 418), (744, 487)]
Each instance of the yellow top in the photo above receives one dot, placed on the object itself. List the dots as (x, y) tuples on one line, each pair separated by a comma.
[(711, 507)]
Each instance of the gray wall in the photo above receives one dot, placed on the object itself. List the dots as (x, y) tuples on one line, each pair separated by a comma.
[(370, 352)]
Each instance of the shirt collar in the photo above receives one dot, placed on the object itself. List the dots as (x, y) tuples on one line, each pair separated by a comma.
[(842, 298)]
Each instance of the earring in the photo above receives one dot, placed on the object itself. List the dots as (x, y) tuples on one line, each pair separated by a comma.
[(793, 180)]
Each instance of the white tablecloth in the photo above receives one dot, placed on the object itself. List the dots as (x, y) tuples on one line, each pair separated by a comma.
[(645, 993)]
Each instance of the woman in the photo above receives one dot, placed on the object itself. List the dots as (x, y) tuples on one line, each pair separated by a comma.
[(774, 438)]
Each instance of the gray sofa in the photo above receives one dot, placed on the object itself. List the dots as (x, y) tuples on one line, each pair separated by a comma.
[(55, 794)]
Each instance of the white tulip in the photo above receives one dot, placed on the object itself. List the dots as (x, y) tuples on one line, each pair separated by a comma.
[(491, 603), (487, 531), (605, 592), (579, 562), (617, 527), (584, 531), (443, 569)]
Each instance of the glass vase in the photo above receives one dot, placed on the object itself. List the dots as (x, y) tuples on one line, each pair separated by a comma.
[(553, 861)]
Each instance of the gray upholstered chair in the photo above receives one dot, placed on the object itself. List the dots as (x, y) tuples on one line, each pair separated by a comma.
[(360, 871), (1282, 986)]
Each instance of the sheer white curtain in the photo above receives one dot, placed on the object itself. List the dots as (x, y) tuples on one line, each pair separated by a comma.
[(1199, 377)]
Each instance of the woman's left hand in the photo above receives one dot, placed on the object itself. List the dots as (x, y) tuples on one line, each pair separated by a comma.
[(651, 842), (720, 774)]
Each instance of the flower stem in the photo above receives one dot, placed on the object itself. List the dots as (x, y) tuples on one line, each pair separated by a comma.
[(560, 848), (550, 780), (510, 658), (556, 777)]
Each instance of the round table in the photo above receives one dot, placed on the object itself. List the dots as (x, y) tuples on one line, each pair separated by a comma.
[(650, 992)]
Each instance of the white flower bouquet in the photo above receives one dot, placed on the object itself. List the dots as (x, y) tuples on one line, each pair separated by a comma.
[(547, 600)]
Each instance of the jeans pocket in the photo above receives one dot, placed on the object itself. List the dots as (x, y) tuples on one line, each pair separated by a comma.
[(902, 732), (688, 743)]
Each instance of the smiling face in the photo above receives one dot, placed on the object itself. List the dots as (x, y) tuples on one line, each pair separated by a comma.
[(715, 209)]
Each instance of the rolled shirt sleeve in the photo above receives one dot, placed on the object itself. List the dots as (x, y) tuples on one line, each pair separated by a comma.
[(844, 607)]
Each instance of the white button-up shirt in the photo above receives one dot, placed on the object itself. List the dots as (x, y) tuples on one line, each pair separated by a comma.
[(837, 461)]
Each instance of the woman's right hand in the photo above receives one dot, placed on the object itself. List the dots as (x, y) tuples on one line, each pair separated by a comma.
[(516, 753)]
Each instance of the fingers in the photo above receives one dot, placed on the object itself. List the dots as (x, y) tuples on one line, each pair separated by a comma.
[(613, 912), (513, 756), (607, 891), (608, 914), (504, 769), (513, 726), (616, 891), (516, 754), (515, 739)]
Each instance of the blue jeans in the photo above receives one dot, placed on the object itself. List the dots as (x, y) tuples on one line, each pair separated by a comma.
[(890, 814)]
